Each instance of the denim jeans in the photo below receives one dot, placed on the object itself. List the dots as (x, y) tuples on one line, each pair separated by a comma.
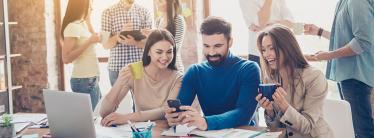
[(113, 75), (89, 86), (357, 94)]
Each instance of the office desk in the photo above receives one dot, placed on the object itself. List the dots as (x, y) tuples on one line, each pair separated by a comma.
[(161, 125)]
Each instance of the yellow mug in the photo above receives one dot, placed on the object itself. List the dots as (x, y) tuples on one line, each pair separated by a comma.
[(137, 70)]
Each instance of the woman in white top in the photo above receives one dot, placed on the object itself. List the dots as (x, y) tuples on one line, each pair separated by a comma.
[(78, 48), (260, 13), (170, 18)]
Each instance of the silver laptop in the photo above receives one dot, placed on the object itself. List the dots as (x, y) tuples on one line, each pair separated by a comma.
[(69, 114)]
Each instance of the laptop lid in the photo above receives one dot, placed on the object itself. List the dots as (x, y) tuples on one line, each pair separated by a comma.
[(69, 114)]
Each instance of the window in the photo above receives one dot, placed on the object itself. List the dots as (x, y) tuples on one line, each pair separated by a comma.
[(302, 10)]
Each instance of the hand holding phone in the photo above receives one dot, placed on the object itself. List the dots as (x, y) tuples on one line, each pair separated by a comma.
[(175, 104)]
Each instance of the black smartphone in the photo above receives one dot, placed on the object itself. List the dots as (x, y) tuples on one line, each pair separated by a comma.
[(175, 104), (137, 34)]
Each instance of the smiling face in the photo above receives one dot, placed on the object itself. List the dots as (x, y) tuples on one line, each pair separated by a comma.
[(161, 54), (216, 48), (269, 53)]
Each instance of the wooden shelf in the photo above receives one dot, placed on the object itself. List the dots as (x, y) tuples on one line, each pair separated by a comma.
[(3, 90), (13, 88), (2, 57)]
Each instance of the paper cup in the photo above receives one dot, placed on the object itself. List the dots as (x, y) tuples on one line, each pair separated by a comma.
[(137, 70)]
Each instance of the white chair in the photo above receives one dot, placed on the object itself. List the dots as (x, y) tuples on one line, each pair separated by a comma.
[(339, 117), (124, 107)]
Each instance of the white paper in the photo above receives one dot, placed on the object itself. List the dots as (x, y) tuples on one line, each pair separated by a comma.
[(20, 126), (23, 118), (270, 135)]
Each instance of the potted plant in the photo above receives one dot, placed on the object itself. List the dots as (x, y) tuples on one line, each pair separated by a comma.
[(7, 127)]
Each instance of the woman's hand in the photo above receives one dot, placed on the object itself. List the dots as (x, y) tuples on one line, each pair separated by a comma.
[(280, 100), (310, 29), (125, 76), (94, 38), (266, 104), (117, 119)]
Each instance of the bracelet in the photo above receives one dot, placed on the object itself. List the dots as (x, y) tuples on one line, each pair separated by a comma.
[(320, 31)]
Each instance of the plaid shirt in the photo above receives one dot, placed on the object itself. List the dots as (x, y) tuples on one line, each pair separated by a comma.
[(113, 20)]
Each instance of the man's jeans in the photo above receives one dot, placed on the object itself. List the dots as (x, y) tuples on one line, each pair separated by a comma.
[(357, 94), (89, 86), (113, 75)]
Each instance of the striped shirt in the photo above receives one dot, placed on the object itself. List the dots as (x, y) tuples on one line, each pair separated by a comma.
[(113, 20), (180, 29)]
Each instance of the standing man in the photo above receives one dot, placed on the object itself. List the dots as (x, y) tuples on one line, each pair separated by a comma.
[(124, 16), (351, 58), (225, 84)]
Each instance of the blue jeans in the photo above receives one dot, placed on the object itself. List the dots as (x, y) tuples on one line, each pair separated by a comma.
[(357, 94), (89, 86), (113, 75)]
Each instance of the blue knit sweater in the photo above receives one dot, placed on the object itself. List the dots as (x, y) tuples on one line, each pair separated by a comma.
[(226, 92)]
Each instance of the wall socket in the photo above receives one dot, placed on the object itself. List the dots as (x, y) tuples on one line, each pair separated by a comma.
[(2, 109)]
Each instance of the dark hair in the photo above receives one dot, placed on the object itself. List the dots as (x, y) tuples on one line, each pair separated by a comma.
[(154, 37), (283, 41), (76, 10), (172, 10), (216, 25)]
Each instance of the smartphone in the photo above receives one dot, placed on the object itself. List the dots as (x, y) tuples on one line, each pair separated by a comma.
[(137, 34), (175, 104)]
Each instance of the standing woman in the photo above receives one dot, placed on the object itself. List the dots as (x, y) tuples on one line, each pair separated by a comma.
[(298, 102), (78, 48), (170, 18)]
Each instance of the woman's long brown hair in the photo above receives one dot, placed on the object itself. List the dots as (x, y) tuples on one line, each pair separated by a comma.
[(283, 41), (75, 11)]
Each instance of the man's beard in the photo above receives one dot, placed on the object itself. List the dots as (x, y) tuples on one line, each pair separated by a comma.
[(217, 62)]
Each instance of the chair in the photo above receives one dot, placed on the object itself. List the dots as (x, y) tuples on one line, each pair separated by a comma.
[(339, 117), (125, 106)]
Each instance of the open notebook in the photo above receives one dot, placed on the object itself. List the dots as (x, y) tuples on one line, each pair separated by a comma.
[(224, 133)]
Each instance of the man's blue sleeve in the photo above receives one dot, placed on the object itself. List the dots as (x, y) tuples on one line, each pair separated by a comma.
[(246, 104), (187, 92)]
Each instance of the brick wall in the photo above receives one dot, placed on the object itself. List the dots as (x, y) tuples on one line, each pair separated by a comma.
[(34, 38)]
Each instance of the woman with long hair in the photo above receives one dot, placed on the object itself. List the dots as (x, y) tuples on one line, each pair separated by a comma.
[(298, 100), (170, 18), (79, 40), (160, 81)]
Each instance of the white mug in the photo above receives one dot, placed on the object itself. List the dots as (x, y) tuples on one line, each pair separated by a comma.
[(104, 37)]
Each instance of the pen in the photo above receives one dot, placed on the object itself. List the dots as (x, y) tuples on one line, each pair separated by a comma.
[(113, 125), (175, 129), (258, 134)]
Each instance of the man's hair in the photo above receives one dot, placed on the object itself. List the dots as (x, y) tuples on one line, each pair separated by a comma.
[(216, 25)]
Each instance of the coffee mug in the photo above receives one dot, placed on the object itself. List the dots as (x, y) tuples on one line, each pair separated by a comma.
[(104, 37), (267, 90), (137, 70), (298, 28)]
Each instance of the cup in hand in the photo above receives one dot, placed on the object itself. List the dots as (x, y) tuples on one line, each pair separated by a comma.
[(104, 37), (298, 28), (137, 70), (267, 90)]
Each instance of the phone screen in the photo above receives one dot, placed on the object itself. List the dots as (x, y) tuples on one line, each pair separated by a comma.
[(175, 104)]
